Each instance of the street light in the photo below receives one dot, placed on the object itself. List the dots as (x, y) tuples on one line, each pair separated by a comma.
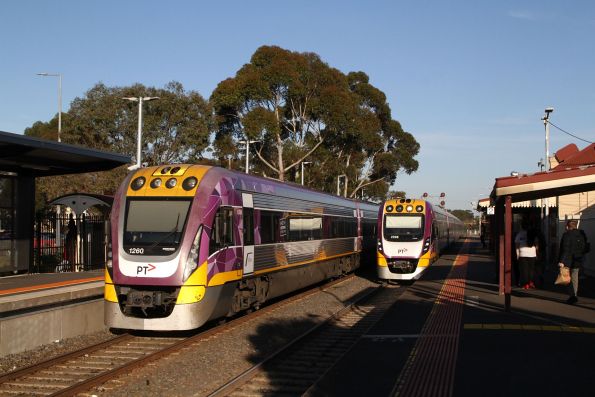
[(546, 209), (140, 101), (59, 76), (546, 123), (302, 174), (247, 142)]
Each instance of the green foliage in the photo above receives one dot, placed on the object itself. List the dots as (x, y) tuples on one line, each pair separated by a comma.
[(301, 109), (297, 106), (175, 128), (466, 216)]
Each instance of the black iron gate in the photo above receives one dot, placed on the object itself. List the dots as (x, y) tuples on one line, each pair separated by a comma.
[(66, 244)]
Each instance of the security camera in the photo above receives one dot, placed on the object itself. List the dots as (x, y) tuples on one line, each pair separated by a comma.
[(549, 110)]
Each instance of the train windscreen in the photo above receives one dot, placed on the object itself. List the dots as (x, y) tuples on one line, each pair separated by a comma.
[(154, 227), (403, 227)]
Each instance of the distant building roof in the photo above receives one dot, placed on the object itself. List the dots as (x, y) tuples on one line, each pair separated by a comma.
[(40, 157)]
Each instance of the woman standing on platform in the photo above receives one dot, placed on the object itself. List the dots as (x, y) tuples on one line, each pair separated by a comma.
[(526, 251)]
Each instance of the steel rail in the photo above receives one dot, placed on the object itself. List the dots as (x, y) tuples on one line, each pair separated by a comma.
[(19, 373), (258, 369), (105, 376)]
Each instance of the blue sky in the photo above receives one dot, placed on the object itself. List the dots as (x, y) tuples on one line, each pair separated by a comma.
[(469, 79)]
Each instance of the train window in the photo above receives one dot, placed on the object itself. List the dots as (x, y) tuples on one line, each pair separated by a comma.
[(155, 225), (403, 227), (222, 230), (316, 225), (270, 225), (248, 226), (305, 228)]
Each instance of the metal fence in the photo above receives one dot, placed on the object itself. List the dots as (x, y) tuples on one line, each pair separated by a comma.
[(58, 247)]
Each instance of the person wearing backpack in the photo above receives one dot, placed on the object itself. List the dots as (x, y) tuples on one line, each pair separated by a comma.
[(573, 247)]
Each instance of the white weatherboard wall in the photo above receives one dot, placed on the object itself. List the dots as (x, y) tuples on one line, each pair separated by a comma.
[(580, 206)]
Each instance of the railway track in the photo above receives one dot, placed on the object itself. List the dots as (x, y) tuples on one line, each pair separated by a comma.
[(80, 371), (296, 368)]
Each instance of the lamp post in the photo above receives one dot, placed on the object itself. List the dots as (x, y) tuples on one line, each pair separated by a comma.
[(59, 76), (140, 101), (546, 209), (247, 142), (302, 174), (546, 119)]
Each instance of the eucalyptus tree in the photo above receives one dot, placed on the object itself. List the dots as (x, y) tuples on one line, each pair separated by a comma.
[(299, 109), (280, 99)]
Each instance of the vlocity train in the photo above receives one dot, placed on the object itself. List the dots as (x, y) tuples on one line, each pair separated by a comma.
[(412, 233), (191, 243)]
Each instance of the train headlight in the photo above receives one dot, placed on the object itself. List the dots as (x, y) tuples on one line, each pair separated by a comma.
[(109, 262), (171, 183), (137, 183), (155, 183), (192, 260), (409, 208), (389, 208), (426, 245), (189, 183), (399, 208), (419, 208)]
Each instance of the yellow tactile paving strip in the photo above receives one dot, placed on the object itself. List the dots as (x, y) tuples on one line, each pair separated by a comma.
[(530, 327)]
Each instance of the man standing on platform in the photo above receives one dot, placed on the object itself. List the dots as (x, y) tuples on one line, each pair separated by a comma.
[(572, 254)]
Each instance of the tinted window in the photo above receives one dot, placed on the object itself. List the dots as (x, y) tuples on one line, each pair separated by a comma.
[(403, 227), (248, 214), (156, 225), (270, 227), (222, 230)]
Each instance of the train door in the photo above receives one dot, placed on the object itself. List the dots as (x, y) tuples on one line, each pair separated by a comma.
[(248, 232)]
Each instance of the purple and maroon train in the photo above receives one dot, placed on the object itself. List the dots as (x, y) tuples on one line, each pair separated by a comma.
[(192, 243)]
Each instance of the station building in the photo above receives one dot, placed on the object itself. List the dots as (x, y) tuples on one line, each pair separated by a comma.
[(566, 191), (22, 160)]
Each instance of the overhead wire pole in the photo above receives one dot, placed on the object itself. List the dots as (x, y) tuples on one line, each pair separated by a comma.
[(59, 76), (546, 209), (247, 142), (140, 101)]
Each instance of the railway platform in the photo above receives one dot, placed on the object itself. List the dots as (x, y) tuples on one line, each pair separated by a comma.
[(36, 309), (449, 335)]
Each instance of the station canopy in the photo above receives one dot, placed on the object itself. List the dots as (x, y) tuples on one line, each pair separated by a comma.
[(558, 182), (40, 157)]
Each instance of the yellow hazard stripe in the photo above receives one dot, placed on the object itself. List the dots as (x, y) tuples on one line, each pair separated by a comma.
[(530, 327)]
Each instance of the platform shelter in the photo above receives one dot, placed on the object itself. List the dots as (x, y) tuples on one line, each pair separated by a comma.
[(22, 159)]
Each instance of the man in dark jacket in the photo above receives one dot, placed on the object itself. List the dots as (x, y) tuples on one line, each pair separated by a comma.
[(572, 255)]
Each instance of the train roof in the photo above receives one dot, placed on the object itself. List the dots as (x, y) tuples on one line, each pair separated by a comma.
[(251, 183)]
